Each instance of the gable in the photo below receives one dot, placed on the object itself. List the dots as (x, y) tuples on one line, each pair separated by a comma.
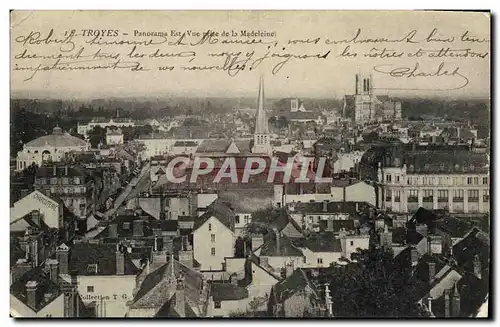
[(291, 231), (217, 227), (262, 277), (233, 148)]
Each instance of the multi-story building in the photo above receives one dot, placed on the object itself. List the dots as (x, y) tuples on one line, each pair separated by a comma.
[(364, 106), (71, 184), (453, 179)]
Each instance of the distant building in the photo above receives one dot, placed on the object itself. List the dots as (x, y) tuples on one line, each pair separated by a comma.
[(49, 148), (262, 137), (83, 129), (364, 106), (73, 185), (433, 178), (114, 136)]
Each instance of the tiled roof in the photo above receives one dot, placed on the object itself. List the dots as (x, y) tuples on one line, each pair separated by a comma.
[(154, 290), (220, 210), (286, 248), (104, 255), (476, 242), (228, 292), (323, 242), (291, 285), (73, 171)]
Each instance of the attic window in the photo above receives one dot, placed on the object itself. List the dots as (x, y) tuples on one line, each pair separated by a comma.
[(92, 268), (412, 167)]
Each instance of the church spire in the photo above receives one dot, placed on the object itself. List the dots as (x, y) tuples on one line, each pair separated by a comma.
[(261, 125)]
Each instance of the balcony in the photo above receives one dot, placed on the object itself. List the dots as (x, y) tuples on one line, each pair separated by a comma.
[(486, 198), (428, 199), (458, 199), (413, 199), (473, 199), (443, 199)]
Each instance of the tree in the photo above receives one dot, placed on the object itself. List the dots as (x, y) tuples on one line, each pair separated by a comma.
[(97, 135), (374, 288)]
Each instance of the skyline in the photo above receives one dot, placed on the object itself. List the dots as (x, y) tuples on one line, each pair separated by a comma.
[(332, 77)]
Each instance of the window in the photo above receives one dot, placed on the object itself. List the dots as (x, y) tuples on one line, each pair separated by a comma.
[(212, 237), (397, 196), (397, 179), (304, 259), (352, 243), (210, 227), (217, 304), (237, 219), (458, 195), (473, 195), (247, 219), (320, 261), (388, 195), (485, 180), (126, 225), (428, 196), (486, 195), (90, 289), (388, 178), (476, 180), (65, 180), (212, 251), (413, 196), (442, 195)]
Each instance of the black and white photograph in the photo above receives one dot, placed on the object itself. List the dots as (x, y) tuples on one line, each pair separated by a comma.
[(250, 164)]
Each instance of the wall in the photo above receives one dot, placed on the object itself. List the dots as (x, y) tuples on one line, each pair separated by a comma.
[(114, 299), (49, 208), (262, 282), (361, 242), (54, 308), (361, 192), (228, 307), (312, 258), (224, 244), (280, 262)]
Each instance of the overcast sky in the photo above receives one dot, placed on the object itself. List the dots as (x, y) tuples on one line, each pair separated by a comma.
[(330, 77)]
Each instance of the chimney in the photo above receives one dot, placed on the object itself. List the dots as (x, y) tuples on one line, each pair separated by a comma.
[(456, 302), (277, 234), (120, 260), (53, 270), (32, 293), (432, 272), (186, 257), (66, 170), (35, 217), (446, 303), (113, 230), (328, 300), (289, 269), (414, 257), (477, 266), (429, 303), (180, 297), (325, 206), (138, 228), (62, 255), (54, 170), (233, 279), (329, 225), (257, 241)]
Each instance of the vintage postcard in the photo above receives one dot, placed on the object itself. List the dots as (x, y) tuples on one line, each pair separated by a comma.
[(223, 164)]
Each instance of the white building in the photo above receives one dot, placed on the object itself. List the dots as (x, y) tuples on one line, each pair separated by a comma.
[(83, 129), (114, 136), (49, 148), (455, 180)]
